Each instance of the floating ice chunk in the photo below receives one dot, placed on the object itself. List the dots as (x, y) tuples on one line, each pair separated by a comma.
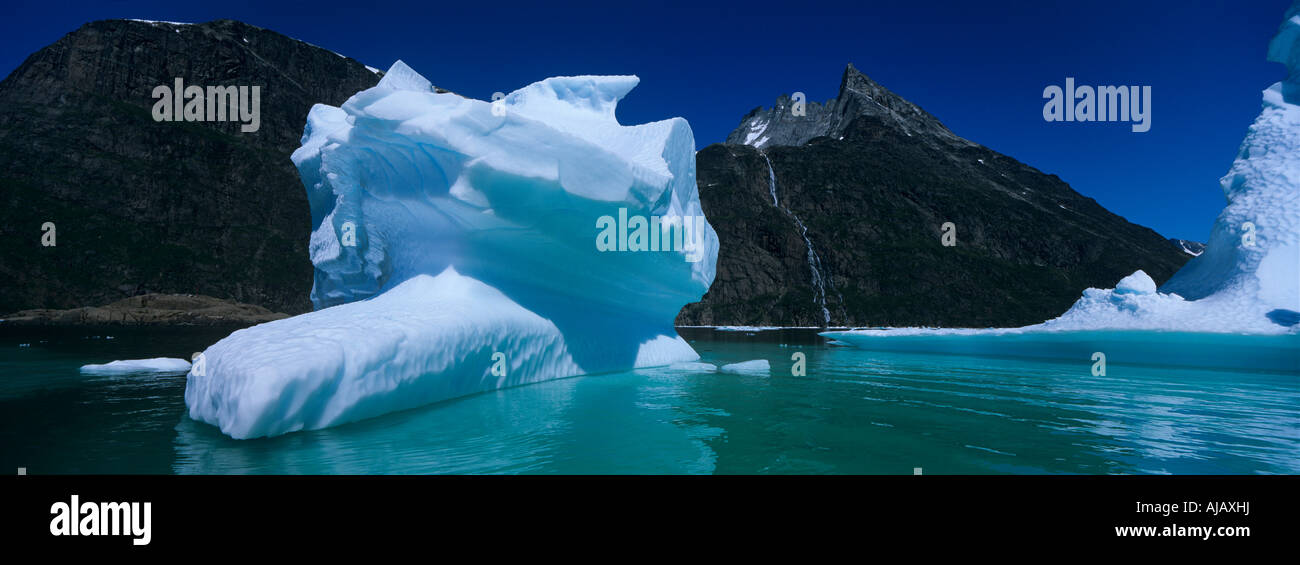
[(755, 367), (155, 365), (428, 339), (662, 350), (446, 231)]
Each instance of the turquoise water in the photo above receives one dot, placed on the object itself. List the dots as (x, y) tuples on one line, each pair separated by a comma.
[(855, 411)]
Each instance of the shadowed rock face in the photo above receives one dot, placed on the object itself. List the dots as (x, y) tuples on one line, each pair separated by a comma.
[(144, 206), (873, 204)]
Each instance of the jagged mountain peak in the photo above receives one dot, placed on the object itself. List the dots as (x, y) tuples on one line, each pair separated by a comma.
[(858, 96), (843, 224)]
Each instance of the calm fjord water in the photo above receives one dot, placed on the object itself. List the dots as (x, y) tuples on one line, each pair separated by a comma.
[(855, 411)]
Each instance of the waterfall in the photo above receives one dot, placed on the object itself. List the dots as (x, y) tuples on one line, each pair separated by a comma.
[(814, 261), (771, 183)]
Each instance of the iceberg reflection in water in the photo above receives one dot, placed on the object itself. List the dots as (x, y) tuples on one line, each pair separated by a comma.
[(856, 411)]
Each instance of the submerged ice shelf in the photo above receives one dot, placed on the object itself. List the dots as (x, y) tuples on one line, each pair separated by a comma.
[(1132, 324), (1197, 350), (454, 244)]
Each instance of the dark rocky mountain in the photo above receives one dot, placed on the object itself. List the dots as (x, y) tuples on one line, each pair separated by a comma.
[(1189, 247), (862, 186), (144, 206)]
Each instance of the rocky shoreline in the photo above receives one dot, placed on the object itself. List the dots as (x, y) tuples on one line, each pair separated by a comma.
[(149, 310)]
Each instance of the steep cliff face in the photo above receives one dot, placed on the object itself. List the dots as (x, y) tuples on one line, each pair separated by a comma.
[(837, 219), (146, 206)]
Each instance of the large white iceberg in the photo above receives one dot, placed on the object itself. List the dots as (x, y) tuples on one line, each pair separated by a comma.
[(457, 247), (1246, 282), (1248, 278)]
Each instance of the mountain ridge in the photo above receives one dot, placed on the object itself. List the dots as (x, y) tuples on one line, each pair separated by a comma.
[(835, 221), (847, 205)]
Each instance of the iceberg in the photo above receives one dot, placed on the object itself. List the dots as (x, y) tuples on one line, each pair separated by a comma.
[(456, 250), (757, 367), (130, 366), (1249, 275), (1246, 282), (1248, 279)]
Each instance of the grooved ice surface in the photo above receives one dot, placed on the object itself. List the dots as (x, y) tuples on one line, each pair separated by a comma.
[(447, 230)]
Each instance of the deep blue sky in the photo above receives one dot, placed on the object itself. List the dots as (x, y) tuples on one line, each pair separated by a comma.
[(979, 66)]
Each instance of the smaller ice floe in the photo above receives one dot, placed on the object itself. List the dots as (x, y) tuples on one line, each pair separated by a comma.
[(407, 347), (694, 367), (758, 367), (155, 365)]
